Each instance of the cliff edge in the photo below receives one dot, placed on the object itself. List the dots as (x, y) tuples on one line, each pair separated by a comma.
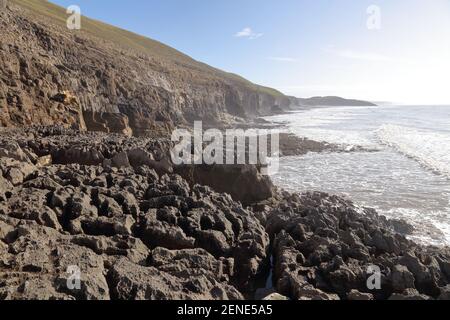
[(102, 78)]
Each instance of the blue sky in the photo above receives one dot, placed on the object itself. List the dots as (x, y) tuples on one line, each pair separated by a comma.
[(304, 47)]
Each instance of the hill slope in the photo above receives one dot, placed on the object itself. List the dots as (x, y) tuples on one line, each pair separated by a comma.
[(332, 101), (107, 79)]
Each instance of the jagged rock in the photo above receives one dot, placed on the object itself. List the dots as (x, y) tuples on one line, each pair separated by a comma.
[(16, 172), (355, 295), (44, 256), (120, 160), (409, 294), (157, 236), (30, 204), (324, 242), (231, 179), (44, 161), (6, 232), (43, 183), (161, 233), (402, 227), (275, 297), (76, 205), (261, 293), (127, 200), (385, 243), (308, 292), (93, 282), (78, 154), (10, 149), (345, 278), (445, 293), (162, 167), (402, 279), (130, 281), (103, 226), (194, 262), (34, 289), (117, 246), (423, 277), (444, 266), (5, 188), (139, 157)]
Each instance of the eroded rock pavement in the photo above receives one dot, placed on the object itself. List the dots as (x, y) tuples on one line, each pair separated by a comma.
[(111, 208)]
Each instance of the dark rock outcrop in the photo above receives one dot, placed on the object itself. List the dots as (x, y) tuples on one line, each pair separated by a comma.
[(132, 229), (324, 247), (245, 183)]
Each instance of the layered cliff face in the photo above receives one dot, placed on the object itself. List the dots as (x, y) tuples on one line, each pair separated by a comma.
[(106, 79)]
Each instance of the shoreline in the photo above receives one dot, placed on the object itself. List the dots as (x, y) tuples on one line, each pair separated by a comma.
[(367, 178), (111, 205)]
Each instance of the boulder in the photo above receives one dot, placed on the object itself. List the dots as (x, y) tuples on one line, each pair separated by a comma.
[(409, 294), (402, 227), (193, 262), (140, 157), (243, 182), (402, 279), (15, 171), (44, 161), (91, 268), (133, 282), (10, 149), (355, 295), (30, 204), (135, 233), (445, 293), (6, 189), (120, 160), (275, 297)]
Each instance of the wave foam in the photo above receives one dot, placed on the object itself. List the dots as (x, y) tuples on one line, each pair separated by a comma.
[(431, 149)]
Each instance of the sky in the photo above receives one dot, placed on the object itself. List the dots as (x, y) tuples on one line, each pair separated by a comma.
[(378, 50)]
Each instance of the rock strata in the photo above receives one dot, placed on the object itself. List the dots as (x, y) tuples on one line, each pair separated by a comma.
[(101, 78)]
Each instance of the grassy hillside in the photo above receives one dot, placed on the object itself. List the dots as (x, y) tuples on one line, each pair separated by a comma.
[(134, 41)]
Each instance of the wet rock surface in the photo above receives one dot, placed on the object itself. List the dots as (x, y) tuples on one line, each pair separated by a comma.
[(110, 209)]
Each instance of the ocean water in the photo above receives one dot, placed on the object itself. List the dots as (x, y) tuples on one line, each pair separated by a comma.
[(406, 176)]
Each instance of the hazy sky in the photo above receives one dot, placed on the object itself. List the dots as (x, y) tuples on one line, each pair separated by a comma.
[(305, 47)]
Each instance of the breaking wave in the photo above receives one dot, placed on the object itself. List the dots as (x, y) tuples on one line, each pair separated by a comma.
[(431, 149)]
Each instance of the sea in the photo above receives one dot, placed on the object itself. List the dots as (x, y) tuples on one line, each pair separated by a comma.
[(403, 172)]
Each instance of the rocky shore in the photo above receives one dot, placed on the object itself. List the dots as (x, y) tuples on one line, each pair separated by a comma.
[(136, 227), (291, 145)]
